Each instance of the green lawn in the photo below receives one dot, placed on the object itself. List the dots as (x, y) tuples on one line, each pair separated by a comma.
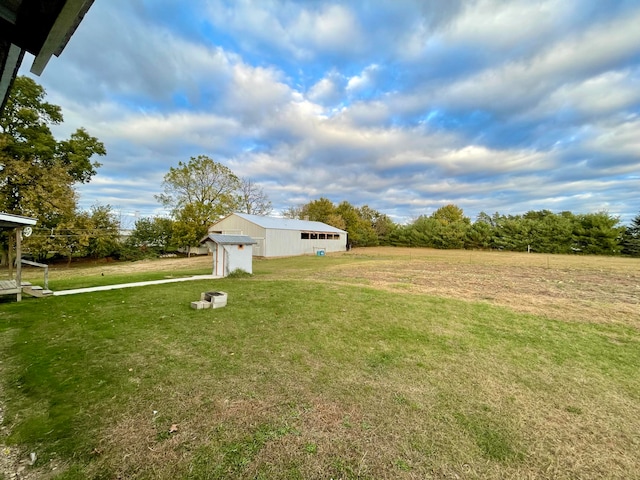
[(298, 378)]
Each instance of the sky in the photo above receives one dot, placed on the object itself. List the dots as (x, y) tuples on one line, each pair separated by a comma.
[(401, 105)]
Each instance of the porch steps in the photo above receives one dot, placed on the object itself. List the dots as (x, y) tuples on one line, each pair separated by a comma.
[(35, 290)]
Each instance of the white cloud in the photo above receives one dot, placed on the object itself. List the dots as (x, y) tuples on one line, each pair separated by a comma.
[(374, 104)]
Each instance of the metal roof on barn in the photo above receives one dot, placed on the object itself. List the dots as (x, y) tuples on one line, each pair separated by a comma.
[(289, 224), (222, 239)]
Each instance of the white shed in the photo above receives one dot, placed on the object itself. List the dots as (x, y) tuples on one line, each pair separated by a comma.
[(283, 237), (230, 253)]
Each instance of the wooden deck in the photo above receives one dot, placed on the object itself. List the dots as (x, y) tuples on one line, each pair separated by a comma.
[(9, 287)]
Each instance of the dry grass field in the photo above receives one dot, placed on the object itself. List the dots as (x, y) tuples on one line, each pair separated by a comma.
[(575, 288)]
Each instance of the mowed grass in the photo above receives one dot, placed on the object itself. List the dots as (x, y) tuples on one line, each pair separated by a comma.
[(304, 378)]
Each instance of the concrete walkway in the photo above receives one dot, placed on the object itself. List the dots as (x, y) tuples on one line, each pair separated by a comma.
[(134, 284)]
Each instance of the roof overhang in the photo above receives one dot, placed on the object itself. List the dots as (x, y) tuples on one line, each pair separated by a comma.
[(40, 27), (8, 220), (222, 239)]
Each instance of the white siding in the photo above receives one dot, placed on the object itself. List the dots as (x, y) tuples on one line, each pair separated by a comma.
[(282, 243), (274, 242), (239, 257), (237, 226), (227, 258)]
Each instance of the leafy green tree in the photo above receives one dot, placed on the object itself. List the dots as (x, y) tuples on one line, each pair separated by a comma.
[(190, 225), (94, 233), (206, 187), (104, 238), (318, 210), (69, 238), (37, 172), (198, 193), (421, 231), (448, 227), (449, 214), (29, 148), (152, 233), (382, 225), (75, 155), (359, 228)]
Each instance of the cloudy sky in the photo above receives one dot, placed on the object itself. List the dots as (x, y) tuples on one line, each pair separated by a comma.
[(402, 105)]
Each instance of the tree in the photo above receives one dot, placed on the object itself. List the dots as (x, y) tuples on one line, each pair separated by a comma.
[(360, 229), (449, 214), (75, 154), (253, 200), (449, 227), (104, 233), (631, 238), (597, 234), (95, 233), (152, 233), (37, 172), (28, 139), (478, 235), (382, 225), (190, 225), (208, 186), (318, 210), (292, 212)]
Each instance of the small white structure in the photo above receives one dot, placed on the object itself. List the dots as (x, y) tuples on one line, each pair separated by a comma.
[(230, 252), (283, 237)]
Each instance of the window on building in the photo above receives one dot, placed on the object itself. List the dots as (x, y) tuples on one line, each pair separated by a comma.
[(304, 236)]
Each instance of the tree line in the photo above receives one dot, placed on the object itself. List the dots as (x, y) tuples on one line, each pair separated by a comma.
[(38, 175), (448, 228)]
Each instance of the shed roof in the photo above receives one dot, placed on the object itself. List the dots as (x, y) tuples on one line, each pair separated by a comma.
[(221, 239), (288, 224), (8, 220)]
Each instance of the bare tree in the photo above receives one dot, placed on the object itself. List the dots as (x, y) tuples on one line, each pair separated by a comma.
[(253, 200), (292, 212)]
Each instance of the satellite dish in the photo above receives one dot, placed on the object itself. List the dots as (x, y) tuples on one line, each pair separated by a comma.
[(27, 231)]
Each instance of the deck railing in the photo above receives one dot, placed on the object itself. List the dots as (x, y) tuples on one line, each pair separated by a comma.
[(41, 265)]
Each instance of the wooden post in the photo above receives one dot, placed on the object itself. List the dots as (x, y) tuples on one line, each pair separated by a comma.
[(10, 257), (19, 263)]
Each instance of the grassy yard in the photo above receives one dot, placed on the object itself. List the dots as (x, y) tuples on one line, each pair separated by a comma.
[(377, 364)]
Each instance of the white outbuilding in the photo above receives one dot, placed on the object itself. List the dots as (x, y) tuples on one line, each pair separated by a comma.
[(230, 253), (283, 237)]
